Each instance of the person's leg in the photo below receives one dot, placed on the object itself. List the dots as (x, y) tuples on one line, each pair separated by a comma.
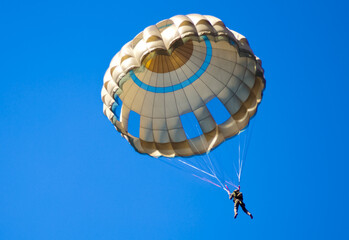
[(245, 210), (236, 207)]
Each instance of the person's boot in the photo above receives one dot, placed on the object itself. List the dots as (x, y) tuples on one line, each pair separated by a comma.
[(235, 215), (250, 215)]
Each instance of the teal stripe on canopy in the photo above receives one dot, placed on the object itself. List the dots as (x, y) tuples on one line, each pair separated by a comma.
[(183, 84)]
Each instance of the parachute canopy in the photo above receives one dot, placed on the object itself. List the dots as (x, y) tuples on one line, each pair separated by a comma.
[(173, 70)]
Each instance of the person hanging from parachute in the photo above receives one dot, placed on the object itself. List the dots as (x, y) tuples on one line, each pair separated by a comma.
[(175, 75), (238, 198)]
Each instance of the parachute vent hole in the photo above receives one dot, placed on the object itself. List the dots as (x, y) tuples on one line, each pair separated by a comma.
[(190, 125), (218, 111), (134, 120), (116, 108)]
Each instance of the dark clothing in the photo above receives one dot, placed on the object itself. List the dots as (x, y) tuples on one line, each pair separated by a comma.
[(238, 201), (237, 195)]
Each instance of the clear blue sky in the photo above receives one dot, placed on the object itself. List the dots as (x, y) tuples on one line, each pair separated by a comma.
[(65, 173)]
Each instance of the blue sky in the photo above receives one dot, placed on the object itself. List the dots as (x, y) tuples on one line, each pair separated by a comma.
[(65, 173)]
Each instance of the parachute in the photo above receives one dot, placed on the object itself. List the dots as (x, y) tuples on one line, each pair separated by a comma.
[(182, 68)]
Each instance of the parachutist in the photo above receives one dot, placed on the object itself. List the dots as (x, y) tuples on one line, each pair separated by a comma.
[(237, 197)]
